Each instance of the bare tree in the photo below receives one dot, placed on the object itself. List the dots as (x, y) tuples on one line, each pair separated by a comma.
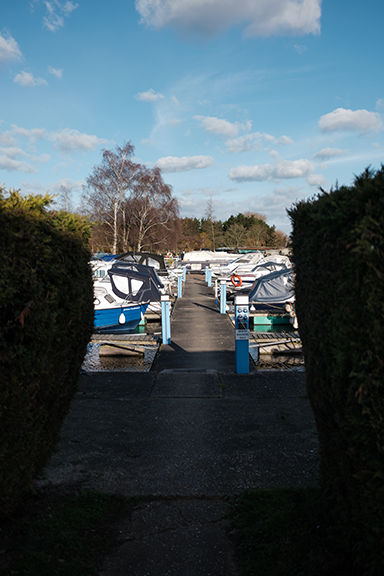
[(210, 222), (236, 235), (64, 200), (258, 233), (281, 239), (107, 188), (256, 215), (153, 208)]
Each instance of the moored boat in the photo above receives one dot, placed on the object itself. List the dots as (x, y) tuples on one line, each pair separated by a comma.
[(123, 294)]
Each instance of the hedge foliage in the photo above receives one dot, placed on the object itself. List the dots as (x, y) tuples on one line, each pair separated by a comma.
[(338, 252), (46, 320)]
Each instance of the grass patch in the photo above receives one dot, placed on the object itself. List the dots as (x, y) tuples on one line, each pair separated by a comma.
[(61, 534), (285, 532)]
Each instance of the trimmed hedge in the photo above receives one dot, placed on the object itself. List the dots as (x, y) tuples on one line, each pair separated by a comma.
[(46, 320), (338, 253)]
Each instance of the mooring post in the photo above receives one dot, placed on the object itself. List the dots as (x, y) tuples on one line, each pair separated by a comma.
[(209, 276), (179, 286), (216, 288), (184, 273), (223, 296), (242, 334), (165, 319)]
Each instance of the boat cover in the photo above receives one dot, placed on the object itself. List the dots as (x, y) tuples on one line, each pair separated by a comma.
[(276, 287), (135, 282), (146, 258)]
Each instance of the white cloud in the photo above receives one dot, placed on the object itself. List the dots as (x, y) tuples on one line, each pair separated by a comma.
[(183, 164), (351, 120), (258, 173), (32, 134), (317, 180), (286, 169), (209, 17), (40, 159), (300, 49), (12, 165), (175, 100), (72, 185), (13, 152), (6, 139), (327, 153), (281, 170), (9, 50), (57, 11), (73, 141), (221, 127), (244, 143), (69, 7), (284, 141), (27, 79), (149, 96), (55, 72), (380, 104), (254, 141), (175, 122)]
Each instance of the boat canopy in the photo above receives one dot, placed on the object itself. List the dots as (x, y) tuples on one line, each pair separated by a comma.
[(276, 287), (146, 259), (135, 282)]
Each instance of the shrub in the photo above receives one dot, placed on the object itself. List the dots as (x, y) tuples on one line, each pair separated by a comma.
[(338, 252), (46, 319)]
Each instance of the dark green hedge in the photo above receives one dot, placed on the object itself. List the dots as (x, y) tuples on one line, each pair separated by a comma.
[(46, 320), (338, 253)]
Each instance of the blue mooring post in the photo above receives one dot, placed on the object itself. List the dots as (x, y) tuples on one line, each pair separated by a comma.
[(209, 276), (179, 286), (184, 273), (223, 296), (242, 334), (165, 319), (206, 273)]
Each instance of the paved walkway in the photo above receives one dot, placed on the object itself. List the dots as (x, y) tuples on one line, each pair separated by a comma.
[(185, 439)]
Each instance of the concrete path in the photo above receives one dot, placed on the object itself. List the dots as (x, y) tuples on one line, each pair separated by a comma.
[(202, 338), (186, 434), (186, 440)]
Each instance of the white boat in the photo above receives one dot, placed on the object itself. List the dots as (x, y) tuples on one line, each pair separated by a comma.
[(244, 263), (198, 260), (123, 292), (243, 279)]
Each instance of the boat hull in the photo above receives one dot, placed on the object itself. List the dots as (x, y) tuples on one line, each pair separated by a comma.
[(108, 319)]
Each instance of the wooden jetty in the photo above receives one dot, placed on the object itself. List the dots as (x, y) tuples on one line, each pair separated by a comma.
[(124, 344), (276, 342)]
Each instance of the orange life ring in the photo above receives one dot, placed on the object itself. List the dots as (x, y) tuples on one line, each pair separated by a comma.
[(236, 280)]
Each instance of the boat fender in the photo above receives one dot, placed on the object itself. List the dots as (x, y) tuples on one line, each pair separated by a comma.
[(236, 280), (122, 318)]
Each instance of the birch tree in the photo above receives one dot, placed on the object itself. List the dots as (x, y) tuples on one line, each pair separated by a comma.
[(64, 199), (107, 188), (153, 208)]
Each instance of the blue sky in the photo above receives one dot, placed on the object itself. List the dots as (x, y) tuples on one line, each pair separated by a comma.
[(251, 103)]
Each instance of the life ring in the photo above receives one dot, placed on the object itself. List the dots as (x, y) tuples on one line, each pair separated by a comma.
[(236, 280)]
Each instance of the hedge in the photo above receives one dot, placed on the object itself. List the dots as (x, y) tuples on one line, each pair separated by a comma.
[(46, 320), (338, 252)]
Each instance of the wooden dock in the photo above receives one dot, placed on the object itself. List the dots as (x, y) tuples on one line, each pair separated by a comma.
[(276, 342), (201, 338)]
